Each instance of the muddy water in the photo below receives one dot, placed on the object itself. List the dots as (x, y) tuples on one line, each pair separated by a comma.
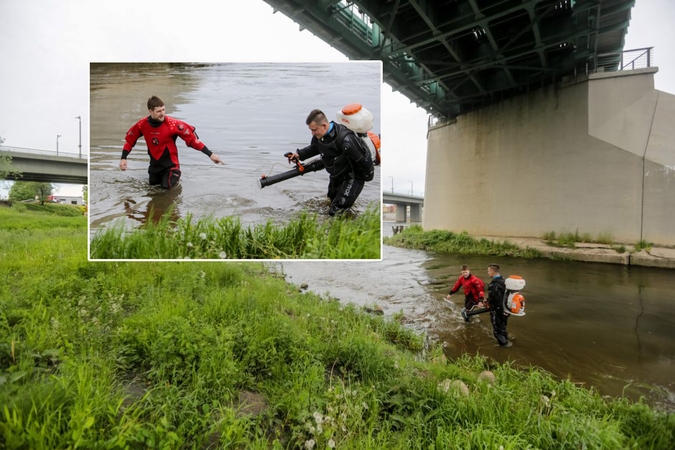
[(601, 325), (249, 114)]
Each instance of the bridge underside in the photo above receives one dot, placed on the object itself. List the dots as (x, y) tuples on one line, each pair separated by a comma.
[(453, 56), (50, 178)]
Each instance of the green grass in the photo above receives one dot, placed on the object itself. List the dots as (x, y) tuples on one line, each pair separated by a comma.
[(643, 245), (41, 217), (447, 241), (568, 239), (302, 237), (604, 238), (144, 355), (54, 209)]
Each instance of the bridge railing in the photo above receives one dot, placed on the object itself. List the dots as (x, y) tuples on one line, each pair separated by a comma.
[(349, 15), (404, 193), (639, 58), (32, 151)]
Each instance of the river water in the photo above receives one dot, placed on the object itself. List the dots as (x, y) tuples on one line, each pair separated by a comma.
[(600, 325), (249, 114)]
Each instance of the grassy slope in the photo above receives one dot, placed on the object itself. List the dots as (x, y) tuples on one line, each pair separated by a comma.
[(162, 355), (41, 217)]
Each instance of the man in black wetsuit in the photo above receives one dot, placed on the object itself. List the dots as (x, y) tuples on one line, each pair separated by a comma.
[(349, 164), (496, 292)]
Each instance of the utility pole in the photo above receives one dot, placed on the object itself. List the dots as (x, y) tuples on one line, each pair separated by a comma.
[(392, 184), (411, 188), (80, 146), (57, 144)]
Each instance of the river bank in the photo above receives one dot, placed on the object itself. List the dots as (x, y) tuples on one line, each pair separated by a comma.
[(604, 326), (216, 355), (661, 257)]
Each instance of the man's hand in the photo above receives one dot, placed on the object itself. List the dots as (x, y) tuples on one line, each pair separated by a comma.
[(123, 164), (215, 159), (292, 157), (448, 297)]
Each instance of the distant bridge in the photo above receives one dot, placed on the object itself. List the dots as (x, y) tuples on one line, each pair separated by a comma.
[(402, 202), (46, 166)]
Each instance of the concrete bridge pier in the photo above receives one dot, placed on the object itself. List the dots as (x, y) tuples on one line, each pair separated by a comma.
[(416, 213), (594, 155), (401, 213)]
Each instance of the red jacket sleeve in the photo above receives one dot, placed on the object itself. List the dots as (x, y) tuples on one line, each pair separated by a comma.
[(455, 288), (187, 133), (132, 136), (480, 286)]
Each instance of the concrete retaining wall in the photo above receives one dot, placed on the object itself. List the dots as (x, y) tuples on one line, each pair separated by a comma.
[(560, 159)]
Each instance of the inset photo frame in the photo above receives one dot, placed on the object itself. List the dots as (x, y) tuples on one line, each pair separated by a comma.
[(235, 161)]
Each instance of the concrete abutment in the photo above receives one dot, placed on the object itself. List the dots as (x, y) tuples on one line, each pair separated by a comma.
[(595, 156)]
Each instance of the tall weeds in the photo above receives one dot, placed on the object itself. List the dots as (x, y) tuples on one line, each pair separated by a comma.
[(113, 355), (303, 237)]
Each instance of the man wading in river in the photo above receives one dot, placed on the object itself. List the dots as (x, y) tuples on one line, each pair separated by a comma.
[(160, 132), (349, 164), (496, 292), (473, 289)]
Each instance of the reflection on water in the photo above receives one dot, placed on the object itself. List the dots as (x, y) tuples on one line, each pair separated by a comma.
[(160, 202), (601, 325), (249, 114)]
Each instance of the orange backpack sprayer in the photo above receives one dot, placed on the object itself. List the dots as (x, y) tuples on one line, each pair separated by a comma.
[(514, 302), (360, 120)]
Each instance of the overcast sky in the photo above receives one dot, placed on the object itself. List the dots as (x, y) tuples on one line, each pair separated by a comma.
[(46, 47)]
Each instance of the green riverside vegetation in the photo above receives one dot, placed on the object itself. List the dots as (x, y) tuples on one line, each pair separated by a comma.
[(196, 355), (32, 216), (302, 237), (568, 239), (447, 241)]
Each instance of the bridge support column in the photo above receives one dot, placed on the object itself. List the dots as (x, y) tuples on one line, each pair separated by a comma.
[(416, 213), (612, 129), (401, 213)]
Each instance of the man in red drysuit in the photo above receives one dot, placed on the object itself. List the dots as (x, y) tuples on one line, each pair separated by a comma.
[(473, 289), (160, 132)]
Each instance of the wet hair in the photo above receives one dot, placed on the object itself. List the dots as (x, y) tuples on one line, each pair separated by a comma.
[(317, 116), (465, 267), (494, 267), (154, 102)]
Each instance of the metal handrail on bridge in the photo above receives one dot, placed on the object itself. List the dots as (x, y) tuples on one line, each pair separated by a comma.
[(403, 194), (349, 15), (639, 58), (33, 151)]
